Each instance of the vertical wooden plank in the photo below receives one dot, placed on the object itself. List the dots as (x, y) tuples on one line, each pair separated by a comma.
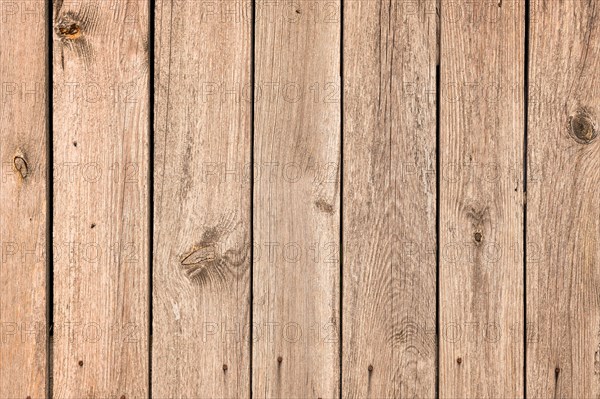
[(296, 199), (563, 212), (201, 282), (23, 149), (481, 199), (389, 304), (100, 199)]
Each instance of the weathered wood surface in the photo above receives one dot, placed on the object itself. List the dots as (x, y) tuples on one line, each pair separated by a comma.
[(296, 200), (481, 199), (101, 216), (201, 286), (389, 301), (563, 212), (23, 196), (357, 231)]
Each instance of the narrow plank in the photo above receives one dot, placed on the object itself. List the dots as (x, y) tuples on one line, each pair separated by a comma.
[(389, 303), (296, 199), (23, 189), (201, 287), (563, 212), (481, 199), (101, 199)]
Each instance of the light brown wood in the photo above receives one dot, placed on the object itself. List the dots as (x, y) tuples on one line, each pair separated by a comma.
[(296, 200), (563, 213), (389, 305), (23, 189), (101, 135), (201, 287), (481, 199)]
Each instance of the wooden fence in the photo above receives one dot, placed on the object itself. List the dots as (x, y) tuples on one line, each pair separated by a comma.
[(300, 199)]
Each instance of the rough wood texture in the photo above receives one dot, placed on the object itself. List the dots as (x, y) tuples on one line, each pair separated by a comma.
[(389, 260), (296, 200), (23, 149), (563, 212), (481, 199), (201, 285), (101, 199)]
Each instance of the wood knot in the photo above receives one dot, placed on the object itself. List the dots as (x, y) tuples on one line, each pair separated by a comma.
[(459, 360), (69, 31), (21, 165), (81, 363), (225, 367), (582, 126), (370, 368), (324, 206), (477, 236), (279, 359)]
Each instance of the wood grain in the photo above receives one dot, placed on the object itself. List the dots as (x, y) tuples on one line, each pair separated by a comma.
[(563, 212), (296, 200), (389, 308), (481, 199), (201, 286), (101, 199), (23, 189)]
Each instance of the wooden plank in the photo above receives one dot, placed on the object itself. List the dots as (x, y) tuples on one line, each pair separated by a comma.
[(201, 282), (23, 189), (563, 212), (101, 199), (481, 199), (296, 199), (389, 303)]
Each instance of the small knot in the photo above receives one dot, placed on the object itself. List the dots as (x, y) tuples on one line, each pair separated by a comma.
[(477, 236), (459, 360), (557, 371), (81, 363), (370, 368), (279, 359), (123, 397), (69, 31), (21, 166), (582, 126), (225, 367)]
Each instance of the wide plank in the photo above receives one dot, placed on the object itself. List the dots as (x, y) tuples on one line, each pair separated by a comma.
[(297, 199), (481, 199), (201, 277), (23, 198), (563, 201), (389, 198), (101, 138)]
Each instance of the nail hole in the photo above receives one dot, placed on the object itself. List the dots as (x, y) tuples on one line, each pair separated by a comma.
[(74, 144), (225, 367), (81, 363), (370, 368), (459, 360), (279, 359), (93, 225)]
